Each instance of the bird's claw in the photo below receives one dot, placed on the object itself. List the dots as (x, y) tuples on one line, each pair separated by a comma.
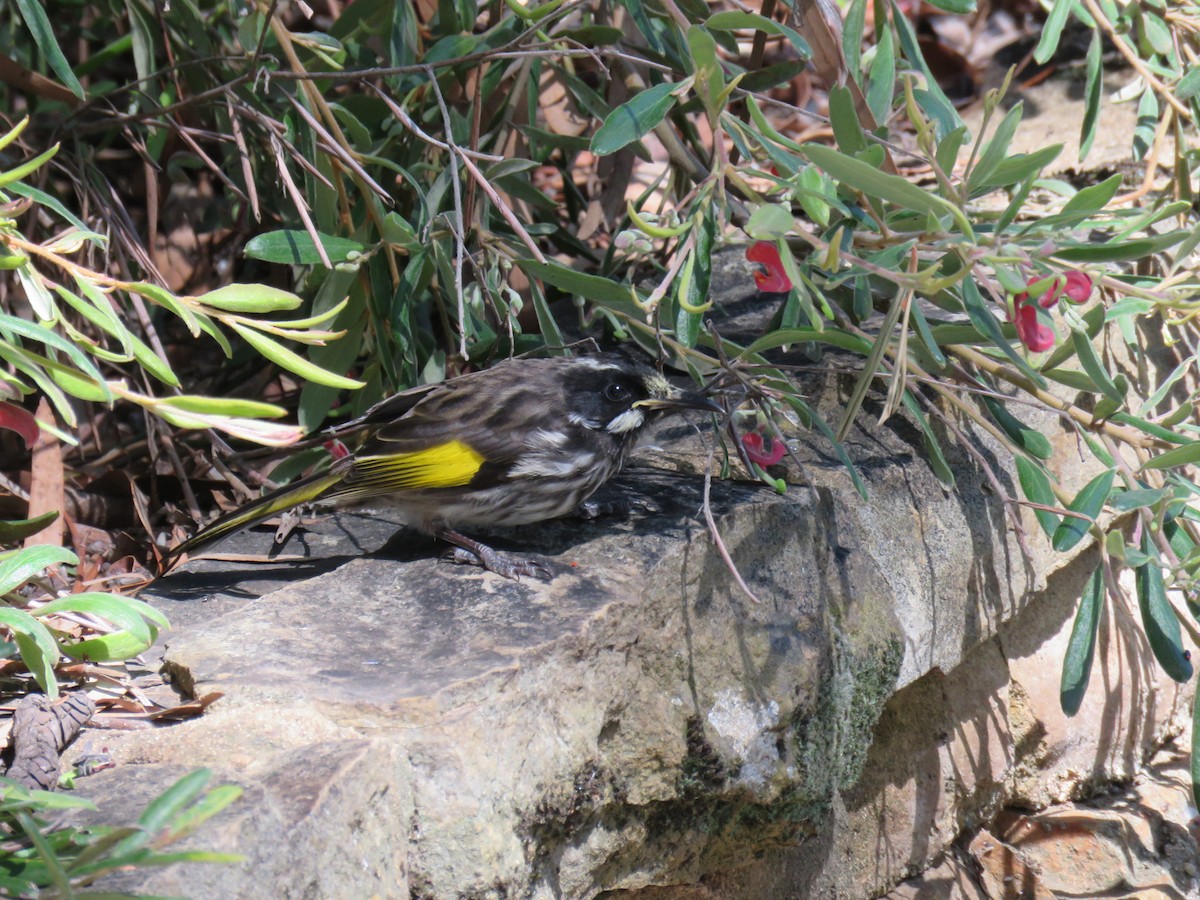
[(499, 563)]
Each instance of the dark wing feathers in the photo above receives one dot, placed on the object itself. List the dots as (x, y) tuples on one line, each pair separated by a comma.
[(495, 416)]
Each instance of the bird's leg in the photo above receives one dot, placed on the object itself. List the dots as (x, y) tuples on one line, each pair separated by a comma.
[(474, 553)]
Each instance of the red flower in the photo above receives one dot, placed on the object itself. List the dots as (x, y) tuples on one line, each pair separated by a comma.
[(336, 449), (1033, 334), (1078, 286), (769, 274), (20, 420), (752, 443)]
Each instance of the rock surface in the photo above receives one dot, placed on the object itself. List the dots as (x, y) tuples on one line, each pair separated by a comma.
[(637, 726), (405, 727)]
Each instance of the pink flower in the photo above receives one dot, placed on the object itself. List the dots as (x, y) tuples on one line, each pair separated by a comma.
[(752, 443), (769, 275), (336, 449)]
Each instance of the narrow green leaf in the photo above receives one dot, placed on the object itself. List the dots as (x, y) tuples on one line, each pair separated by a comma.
[(13, 531), (1028, 439), (861, 176), (1158, 618), (843, 118), (732, 20), (294, 247), (1124, 501), (1035, 485), (881, 84), (996, 149), (611, 294), (1188, 454), (633, 118), (1189, 85), (1092, 92), (933, 446), (1081, 649), (38, 23), (1090, 360), (1088, 502), (292, 361), (1052, 30)]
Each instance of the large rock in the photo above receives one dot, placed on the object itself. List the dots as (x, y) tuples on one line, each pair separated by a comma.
[(405, 727)]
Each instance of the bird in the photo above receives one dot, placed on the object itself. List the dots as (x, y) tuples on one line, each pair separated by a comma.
[(524, 441)]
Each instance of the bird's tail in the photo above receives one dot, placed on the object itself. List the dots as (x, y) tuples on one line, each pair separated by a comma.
[(303, 491)]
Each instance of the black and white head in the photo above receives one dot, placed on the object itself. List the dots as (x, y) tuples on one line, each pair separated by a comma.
[(617, 396)]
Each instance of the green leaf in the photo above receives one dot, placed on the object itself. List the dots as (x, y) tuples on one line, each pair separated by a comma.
[(843, 118), (769, 221), (14, 530), (1092, 92), (946, 114), (1028, 439), (632, 119), (933, 446), (1081, 649), (38, 23), (38, 650), (881, 83), (1158, 617), (1188, 454), (30, 562), (1088, 502), (958, 7), (293, 247), (733, 20), (1035, 485), (852, 31), (1089, 200), (1090, 360), (1189, 85), (871, 181), (612, 294), (227, 406), (292, 361), (1052, 30), (1123, 501), (1117, 251), (996, 149)]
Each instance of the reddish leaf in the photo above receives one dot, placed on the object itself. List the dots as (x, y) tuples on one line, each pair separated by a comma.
[(14, 418)]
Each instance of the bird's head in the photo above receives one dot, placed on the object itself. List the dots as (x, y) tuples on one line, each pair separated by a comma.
[(617, 395)]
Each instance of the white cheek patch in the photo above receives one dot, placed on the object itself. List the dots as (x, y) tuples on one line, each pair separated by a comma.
[(630, 420), (577, 419)]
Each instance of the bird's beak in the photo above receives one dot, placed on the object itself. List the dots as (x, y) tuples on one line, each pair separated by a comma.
[(679, 400)]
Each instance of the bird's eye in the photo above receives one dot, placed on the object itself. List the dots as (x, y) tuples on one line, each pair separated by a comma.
[(617, 393)]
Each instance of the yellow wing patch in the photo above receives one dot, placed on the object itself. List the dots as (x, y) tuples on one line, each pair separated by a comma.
[(452, 464)]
